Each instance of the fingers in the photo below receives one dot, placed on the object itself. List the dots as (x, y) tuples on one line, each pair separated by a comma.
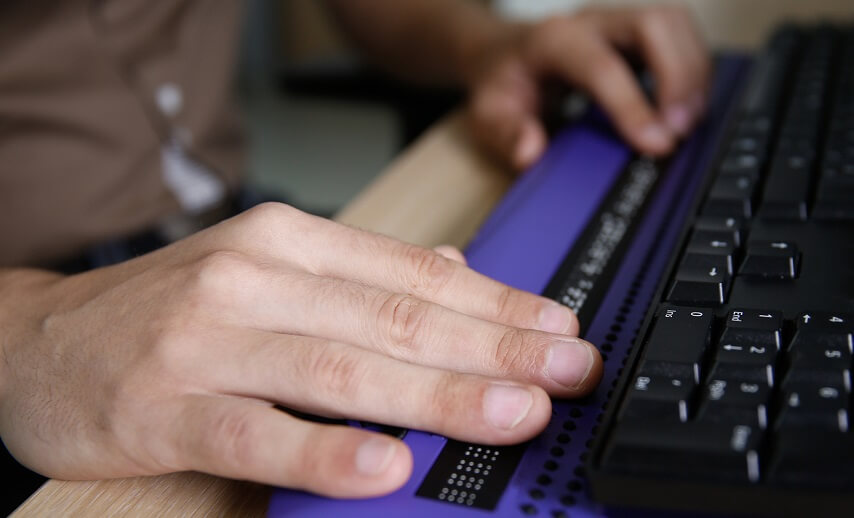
[(242, 439), (335, 379), (670, 43), (393, 266), (414, 330), (584, 50), (579, 54), (504, 116)]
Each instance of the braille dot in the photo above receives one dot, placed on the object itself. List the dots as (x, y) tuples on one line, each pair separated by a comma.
[(567, 500), (563, 438), (544, 480), (558, 513), (575, 412), (537, 494), (574, 485), (569, 425), (604, 356), (607, 347), (550, 465), (557, 451), (616, 328), (611, 337), (528, 509), (620, 318)]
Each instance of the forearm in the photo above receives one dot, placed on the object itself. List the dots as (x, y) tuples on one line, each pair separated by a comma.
[(429, 41)]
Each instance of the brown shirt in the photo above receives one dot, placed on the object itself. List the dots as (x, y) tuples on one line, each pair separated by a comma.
[(81, 131)]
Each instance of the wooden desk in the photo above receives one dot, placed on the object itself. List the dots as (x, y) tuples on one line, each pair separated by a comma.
[(438, 191)]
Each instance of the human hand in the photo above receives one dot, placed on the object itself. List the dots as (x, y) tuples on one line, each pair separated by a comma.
[(583, 49), (173, 361)]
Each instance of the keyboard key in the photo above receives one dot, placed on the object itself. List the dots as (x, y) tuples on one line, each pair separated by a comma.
[(786, 189), (770, 260), (731, 195), (763, 374), (820, 344), (823, 341), (722, 224), (653, 396), (681, 336), (759, 355), (702, 279), (796, 377), (703, 450), (709, 243), (712, 265), (810, 405), (697, 289), (752, 327), (735, 401)]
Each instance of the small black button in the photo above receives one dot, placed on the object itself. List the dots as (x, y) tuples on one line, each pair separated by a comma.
[(770, 260)]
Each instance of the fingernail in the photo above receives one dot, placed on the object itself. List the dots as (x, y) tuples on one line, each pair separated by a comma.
[(527, 150), (678, 117), (505, 406), (555, 318), (374, 456), (656, 135), (569, 363)]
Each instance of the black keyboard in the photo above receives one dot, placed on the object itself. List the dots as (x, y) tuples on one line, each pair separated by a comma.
[(737, 396)]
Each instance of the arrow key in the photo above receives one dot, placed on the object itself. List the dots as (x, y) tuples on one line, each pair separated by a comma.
[(753, 327), (771, 260), (702, 279), (746, 354)]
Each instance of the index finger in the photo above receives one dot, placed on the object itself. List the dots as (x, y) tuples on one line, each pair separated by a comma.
[(326, 248)]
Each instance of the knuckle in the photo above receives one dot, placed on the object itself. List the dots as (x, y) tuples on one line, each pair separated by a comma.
[(268, 213), (338, 374), (504, 303), (430, 271), (403, 319), (230, 436), (511, 355), (447, 396), (213, 276)]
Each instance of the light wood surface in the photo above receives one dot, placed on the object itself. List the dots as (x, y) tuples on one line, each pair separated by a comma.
[(438, 191)]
